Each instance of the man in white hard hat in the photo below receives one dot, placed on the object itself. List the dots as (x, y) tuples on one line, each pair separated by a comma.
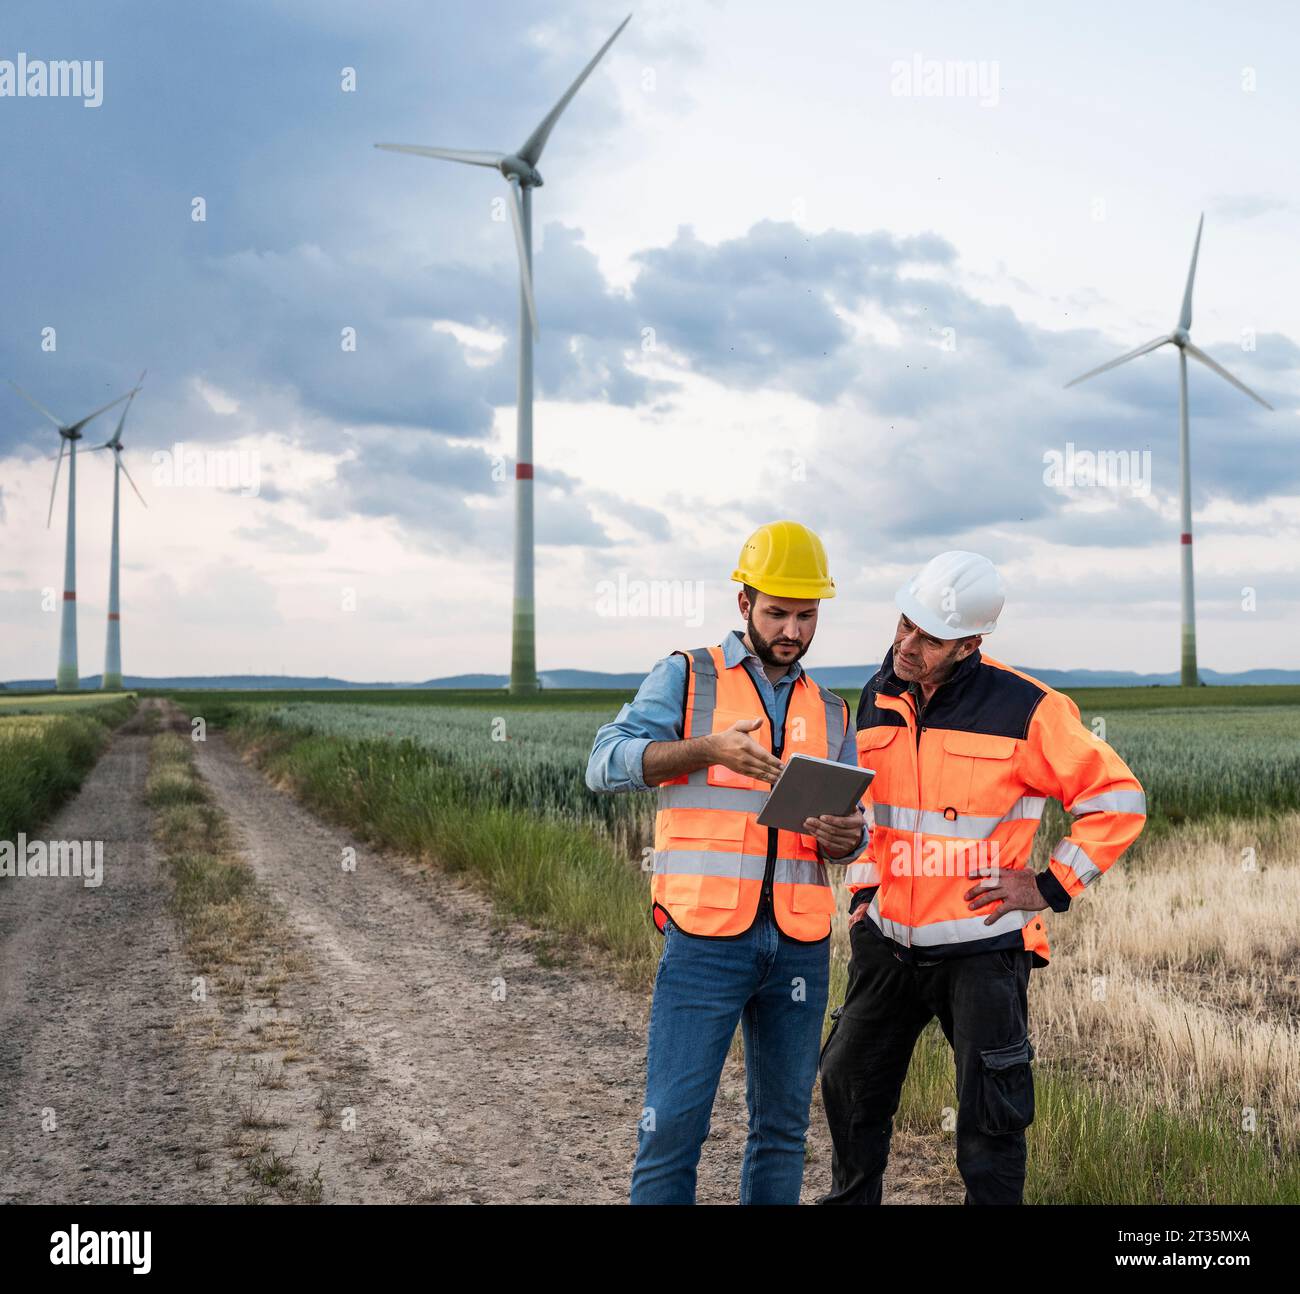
[(946, 914)]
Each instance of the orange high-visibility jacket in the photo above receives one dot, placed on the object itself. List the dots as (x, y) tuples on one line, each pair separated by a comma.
[(965, 786), (712, 859)]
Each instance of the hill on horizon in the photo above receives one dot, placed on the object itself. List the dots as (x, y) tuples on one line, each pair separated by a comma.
[(837, 676)]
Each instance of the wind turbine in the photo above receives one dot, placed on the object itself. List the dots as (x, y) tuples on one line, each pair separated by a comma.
[(520, 171), (1181, 338), (112, 681), (67, 679)]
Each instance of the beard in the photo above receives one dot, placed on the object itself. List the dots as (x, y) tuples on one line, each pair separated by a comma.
[(764, 650)]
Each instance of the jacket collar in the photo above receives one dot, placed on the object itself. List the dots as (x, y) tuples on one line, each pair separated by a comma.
[(890, 684)]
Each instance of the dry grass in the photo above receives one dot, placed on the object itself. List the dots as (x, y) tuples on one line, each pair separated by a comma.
[(1166, 1026)]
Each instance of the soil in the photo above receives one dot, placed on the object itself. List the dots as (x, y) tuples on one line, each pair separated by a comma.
[(417, 1048)]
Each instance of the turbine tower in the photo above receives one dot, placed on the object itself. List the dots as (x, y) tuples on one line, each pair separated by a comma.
[(67, 678), (112, 681), (1181, 338), (520, 171)]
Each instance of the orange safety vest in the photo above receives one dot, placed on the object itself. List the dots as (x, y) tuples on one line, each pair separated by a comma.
[(711, 856), (966, 788)]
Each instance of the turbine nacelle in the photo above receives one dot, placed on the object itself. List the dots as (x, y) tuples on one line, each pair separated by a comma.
[(519, 170), (1181, 337), (514, 167)]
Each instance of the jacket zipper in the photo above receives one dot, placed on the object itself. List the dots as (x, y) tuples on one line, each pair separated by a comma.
[(912, 713)]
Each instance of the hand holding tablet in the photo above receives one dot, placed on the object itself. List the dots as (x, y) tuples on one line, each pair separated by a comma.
[(809, 787)]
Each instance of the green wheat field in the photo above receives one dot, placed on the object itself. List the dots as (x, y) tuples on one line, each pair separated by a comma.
[(1166, 1026)]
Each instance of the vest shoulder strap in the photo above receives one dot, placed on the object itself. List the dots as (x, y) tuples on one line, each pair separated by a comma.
[(699, 662), (836, 707)]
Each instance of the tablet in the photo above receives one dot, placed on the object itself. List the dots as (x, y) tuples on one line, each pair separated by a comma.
[(809, 787)]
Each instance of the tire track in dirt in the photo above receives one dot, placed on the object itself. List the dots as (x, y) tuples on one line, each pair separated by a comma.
[(92, 982), (391, 1007), (497, 1080)]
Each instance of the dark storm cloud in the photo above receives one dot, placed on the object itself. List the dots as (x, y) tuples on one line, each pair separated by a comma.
[(310, 231)]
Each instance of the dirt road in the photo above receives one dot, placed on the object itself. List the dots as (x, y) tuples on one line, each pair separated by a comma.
[(99, 1097), (419, 1051)]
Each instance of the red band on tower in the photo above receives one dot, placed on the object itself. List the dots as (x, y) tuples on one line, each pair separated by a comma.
[(523, 471)]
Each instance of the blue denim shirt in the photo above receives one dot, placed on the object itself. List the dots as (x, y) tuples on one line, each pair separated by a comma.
[(655, 714)]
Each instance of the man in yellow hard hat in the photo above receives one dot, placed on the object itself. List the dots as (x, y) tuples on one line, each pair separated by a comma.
[(745, 910)]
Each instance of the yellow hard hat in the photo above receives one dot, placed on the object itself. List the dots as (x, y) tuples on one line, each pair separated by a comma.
[(785, 560)]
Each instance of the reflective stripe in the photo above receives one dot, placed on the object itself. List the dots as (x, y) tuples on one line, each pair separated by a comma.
[(678, 796), (700, 720), (965, 826), (717, 862), (799, 871), (706, 692), (1028, 806), (894, 816), (962, 930), (710, 862), (836, 718), (861, 874), (1070, 855), (1112, 802)]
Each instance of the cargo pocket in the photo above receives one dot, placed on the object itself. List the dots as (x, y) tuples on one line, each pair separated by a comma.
[(835, 1024), (1006, 1089), (696, 874)]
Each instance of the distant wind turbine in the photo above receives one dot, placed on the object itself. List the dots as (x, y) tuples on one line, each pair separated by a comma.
[(520, 170), (1181, 338), (67, 679), (112, 681)]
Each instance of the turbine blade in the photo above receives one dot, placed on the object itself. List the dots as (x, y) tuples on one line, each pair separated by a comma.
[(1197, 353), (77, 426), (1185, 317), (525, 270), (533, 145), (470, 157), (1123, 359), (34, 405), (117, 455), (116, 437), (63, 444)]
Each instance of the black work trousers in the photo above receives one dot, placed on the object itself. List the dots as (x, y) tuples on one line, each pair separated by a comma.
[(982, 1005)]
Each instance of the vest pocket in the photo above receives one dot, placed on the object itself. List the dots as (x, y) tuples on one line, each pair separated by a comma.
[(695, 875), (720, 889), (720, 774), (812, 898), (1005, 1090)]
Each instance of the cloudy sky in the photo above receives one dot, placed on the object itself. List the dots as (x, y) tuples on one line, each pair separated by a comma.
[(778, 274)]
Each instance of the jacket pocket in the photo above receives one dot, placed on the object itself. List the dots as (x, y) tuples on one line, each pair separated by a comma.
[(976, 776), (1005, 1091)]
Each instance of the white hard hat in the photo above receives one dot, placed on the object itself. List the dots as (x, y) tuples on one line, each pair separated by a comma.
[(955, 595)]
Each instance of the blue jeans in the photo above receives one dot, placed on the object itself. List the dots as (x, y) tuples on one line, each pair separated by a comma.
[(776, 989)]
